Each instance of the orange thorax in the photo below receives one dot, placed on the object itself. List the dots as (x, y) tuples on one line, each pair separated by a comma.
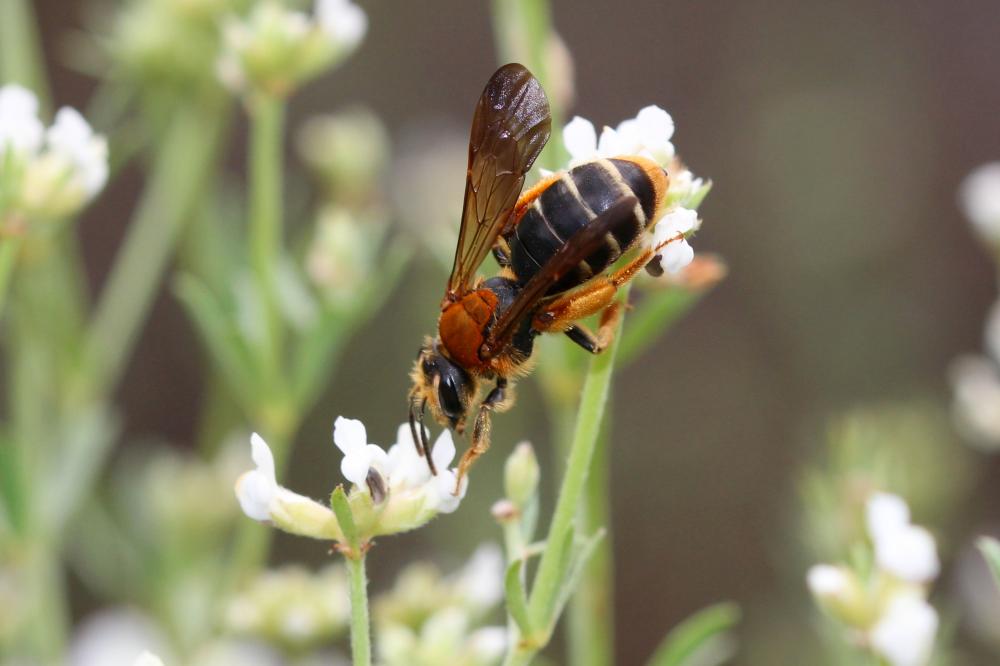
[(462, 327)]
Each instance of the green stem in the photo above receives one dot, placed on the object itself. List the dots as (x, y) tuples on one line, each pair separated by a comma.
[(179, 172), (21, 58), (361, 649), (48, 614), (548, 580), (523, 33), (266, 157), (8, 257), (589, 619)]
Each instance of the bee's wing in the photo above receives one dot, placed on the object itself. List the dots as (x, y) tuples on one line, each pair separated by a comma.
[(576, 248), (509, 129)]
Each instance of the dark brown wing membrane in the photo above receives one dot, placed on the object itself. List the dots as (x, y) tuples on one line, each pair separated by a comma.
[(576, 248), (509, 129)]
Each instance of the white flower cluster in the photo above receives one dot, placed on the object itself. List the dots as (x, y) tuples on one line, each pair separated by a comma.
[(888, 607), (404, 474), (975, 381), (648, 135), (46, 173), (274, 49), (393, 491), (431, 619), (292, 606)]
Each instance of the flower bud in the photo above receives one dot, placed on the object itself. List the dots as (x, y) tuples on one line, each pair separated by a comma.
[(521, 474), (275, 49), (348, 151)]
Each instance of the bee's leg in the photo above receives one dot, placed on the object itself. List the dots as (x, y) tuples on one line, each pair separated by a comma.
[(595, 344), (592, 297), (497, 399)]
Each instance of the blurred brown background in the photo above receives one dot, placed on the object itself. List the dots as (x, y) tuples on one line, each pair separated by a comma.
[(836, 134)]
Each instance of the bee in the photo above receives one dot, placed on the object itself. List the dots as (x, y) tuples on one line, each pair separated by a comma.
[(553, 243)]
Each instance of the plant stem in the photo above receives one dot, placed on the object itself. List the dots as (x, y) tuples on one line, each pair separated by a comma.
[(179, 172), (589, 617), (266, 156), (20, 53), (523, 33), (361, 650), (8, 257), (546, 588)]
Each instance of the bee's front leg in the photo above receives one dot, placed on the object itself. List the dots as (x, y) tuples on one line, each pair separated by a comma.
[(495, 399)]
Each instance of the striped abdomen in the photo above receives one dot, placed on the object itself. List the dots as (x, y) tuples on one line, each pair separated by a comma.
[(557, 208)]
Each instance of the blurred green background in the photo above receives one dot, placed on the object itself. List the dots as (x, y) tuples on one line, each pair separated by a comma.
[(836, 135)]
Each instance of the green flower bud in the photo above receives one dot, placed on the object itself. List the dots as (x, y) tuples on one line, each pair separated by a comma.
[(521, 474)]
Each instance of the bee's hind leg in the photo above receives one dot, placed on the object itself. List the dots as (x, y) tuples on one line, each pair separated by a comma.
[(497, 399), (595, 344)]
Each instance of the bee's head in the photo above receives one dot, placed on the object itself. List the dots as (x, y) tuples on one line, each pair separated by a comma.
[(443, 385)]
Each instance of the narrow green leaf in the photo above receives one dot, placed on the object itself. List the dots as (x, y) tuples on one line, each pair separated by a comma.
[(342, 509), (517, 601), (580, 552), (225, 346), (990, 548), (698, 639)]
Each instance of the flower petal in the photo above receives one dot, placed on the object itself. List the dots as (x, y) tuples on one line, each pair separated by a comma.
[(885, 513), (905, 633), (444, 450), (262, 457), (655, 124), (349, 435), (580, 138), (676, 256), (342, 21), (255, 492), (355, 466), (908, 553)]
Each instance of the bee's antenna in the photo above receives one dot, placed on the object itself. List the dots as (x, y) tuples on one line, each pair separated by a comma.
[(419, 434), (423, 436)]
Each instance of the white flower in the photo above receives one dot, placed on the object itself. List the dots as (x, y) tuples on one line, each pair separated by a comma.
[(979, 196), (908, 553), (677, 253), (480, 582), (975, 382), (826, 580), (905, 633), (884, 513), (408, 470), (342, 20), (648, 134), (147, 658), (404, 494), (901, 549), (20, 128), (114, 637), (580, 139), (274, 49), (351, 438), (262, 499), (72, 137), (488, 644)]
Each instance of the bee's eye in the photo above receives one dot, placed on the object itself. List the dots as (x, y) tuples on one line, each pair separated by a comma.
[(448, 397)]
